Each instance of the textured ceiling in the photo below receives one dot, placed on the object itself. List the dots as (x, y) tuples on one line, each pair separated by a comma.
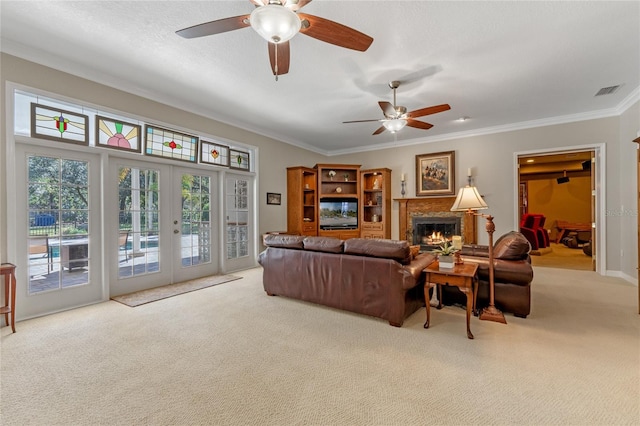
[(505, 65)]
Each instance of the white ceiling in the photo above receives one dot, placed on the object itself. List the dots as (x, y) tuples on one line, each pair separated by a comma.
[(505, 65)]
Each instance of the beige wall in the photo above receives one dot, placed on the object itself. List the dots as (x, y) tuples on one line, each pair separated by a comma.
[(492, 157), (569, 202), (273, 156)]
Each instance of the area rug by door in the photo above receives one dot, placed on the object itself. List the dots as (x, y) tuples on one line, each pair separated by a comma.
[(158, 293)]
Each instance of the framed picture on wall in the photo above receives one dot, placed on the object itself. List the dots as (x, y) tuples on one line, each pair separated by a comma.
[(273, 198), (436, 174)]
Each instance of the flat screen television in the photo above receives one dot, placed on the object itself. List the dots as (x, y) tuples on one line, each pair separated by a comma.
[(339, 213)]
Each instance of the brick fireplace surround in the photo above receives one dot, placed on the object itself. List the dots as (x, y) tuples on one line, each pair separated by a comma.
[(432, 206)]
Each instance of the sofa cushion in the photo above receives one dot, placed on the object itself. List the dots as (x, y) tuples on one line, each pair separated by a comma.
[(324, 244), (284, 241), (383, 248), (511, 246)]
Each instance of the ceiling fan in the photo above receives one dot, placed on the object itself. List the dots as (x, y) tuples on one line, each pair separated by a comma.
[(277, 21), (396, 116)]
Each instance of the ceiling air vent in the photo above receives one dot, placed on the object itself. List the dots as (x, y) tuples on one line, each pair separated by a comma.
[(607, 90)]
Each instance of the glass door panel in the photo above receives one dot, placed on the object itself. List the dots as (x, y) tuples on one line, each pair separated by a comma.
[(138, 221), (164, 226), (59, 235), (59, 221), (239, 230), (195, 236)]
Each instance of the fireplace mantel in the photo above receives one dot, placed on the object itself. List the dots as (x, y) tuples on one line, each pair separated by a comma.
[(410, 207)]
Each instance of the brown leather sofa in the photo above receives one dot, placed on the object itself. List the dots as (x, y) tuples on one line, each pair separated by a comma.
[(513, 274), (375, 277)]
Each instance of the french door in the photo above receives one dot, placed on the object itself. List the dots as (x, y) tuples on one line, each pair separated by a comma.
[(57, 229), (167, 222), (239, 236)]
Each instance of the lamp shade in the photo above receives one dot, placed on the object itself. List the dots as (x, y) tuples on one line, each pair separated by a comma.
[(275, 23), (395, 124), (468, 199)]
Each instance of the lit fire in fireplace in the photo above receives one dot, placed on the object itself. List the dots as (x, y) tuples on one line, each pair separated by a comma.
[(433, 239)]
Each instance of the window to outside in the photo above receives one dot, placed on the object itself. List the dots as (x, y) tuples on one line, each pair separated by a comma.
[(138, 218), (196, 221), (58, 210), (237, 218)]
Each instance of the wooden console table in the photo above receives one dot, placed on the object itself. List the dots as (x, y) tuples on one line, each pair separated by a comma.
[(462, 276), (8, 270)]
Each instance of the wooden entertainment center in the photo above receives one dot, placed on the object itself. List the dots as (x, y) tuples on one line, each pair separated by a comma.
[(363, 196)]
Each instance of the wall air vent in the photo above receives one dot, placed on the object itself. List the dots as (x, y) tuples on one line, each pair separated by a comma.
[(607, 90)]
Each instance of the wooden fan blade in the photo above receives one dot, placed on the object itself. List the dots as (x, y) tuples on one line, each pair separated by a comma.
[(334, 33), (215, 27), (360, 121), (418, 124), (429, 110), (387, 109), (297, 4), (380, 130), (283, 56)]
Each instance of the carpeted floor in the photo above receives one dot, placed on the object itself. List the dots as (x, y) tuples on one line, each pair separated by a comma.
[(158, 293), (231, 355), (561, 256)]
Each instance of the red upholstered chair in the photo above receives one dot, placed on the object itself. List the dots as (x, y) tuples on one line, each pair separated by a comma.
[(543, 235), (532, 227)]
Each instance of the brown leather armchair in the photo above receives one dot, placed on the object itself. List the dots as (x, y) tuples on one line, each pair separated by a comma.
[(513, 275)]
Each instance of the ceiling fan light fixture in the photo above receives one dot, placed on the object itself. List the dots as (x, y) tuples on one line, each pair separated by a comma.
[(275, 23), (395, 125)]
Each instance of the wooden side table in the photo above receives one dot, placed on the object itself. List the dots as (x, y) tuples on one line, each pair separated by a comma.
[(8, 270), (462, 276)]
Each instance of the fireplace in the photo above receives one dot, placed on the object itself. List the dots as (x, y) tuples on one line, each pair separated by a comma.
[(438, 208), (431, 231)]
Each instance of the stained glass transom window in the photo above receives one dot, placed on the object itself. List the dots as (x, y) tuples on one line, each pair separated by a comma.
[(214, 153), (59, 125), (239, 160), (166, 143), (117, 134)]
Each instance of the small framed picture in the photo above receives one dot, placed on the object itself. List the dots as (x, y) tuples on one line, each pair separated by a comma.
[(274, 198), (436, 174)]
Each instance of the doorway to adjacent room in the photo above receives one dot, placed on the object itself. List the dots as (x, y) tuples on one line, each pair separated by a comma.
[(558, 188)]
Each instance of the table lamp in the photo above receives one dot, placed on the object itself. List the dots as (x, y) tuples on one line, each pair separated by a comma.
[(470, 201)]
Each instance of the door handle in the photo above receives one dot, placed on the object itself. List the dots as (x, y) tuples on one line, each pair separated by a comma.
[(175, 231)]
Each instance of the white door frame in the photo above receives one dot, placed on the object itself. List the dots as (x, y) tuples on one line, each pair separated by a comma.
[(169, 241), (600, 194), (33, 305)]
